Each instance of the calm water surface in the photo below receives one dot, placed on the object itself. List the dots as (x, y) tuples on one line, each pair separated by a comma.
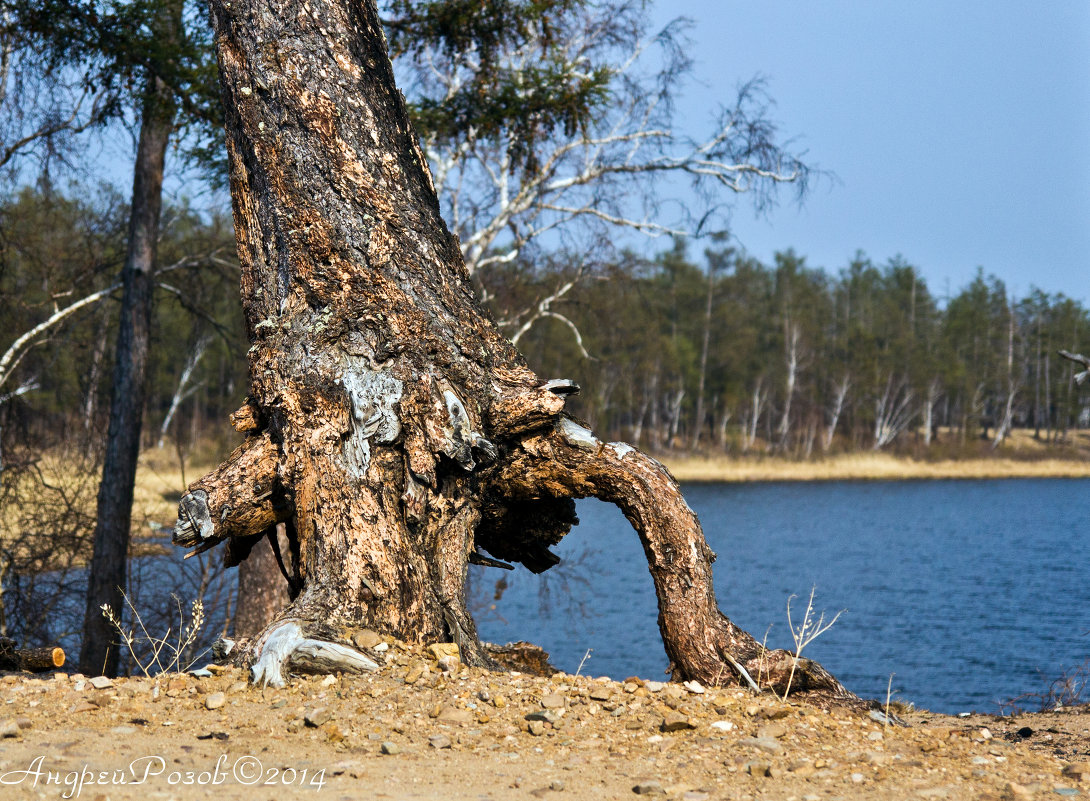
[(970, 592)]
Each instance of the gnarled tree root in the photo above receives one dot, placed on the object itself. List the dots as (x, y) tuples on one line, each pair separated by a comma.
[(283, 647), (701, 642)]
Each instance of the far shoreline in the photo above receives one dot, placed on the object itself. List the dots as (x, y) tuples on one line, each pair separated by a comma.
[(867, 467)]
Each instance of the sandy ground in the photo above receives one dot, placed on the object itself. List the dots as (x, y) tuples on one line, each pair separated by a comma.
[(412, 731)]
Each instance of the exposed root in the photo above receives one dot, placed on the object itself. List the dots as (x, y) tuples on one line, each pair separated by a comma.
[(283, 648)]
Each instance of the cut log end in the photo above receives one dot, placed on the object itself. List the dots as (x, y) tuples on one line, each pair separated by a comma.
[(35, 660)]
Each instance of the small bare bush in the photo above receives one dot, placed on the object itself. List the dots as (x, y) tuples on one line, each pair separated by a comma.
[(170, 652)]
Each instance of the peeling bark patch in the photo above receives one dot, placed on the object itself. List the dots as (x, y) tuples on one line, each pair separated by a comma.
[(577, 435), (622, 449), (374, 397)]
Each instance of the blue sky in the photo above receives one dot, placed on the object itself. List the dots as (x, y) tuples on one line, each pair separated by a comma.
[(959, 132)]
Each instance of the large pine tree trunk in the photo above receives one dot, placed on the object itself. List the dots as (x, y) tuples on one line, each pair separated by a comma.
[(107, 577), (390, 422)]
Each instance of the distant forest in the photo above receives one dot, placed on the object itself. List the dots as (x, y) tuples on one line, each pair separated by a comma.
[(710, 350)]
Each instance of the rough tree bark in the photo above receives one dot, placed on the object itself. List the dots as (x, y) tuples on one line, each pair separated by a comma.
[(392, 426), (107, 579)]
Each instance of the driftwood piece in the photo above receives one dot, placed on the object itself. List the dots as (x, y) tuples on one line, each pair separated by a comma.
[(285, 647), (36, 660)]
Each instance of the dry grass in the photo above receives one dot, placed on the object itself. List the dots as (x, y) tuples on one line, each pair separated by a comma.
[(872, 466), (61, 484)]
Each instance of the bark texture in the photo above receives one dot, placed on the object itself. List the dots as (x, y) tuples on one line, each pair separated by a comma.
[(263, 583), (107, 579), (391, 424)]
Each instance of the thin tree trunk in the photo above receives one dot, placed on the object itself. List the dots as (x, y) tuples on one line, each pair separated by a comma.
[(698, 420), (791, 354), (183, 390), (107, 577), (840, 394), (393, 425)]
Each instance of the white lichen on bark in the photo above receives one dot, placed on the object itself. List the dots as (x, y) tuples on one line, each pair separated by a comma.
[(374, 397)]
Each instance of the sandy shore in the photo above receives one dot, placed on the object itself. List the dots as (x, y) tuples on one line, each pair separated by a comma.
[(413, 731), (870, 466)]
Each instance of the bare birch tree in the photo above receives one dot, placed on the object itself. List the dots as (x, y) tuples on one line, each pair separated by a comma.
[(893, 412), (504, 192)]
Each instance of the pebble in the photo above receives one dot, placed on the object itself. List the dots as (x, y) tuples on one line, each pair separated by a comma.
[(439, 650), (439, 741), (9, 728), (317, 716), (451, 714), (366, 638), (215, 701), (102, 682), (675, 721), (694, 686), (723, 725), (390, 749), (449, 664), (601, 694), (654, 686), (758, 768), (766, 744), (1014, 790), (772, 731), (536, 728), (553, 701), (1080, 771), (649, 788), (875, 758)]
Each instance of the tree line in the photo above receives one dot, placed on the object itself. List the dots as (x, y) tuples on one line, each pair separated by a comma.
[(724, 353), (716, 352)]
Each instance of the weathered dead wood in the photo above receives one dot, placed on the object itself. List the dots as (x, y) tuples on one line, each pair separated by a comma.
[(1078, 358), (35, 660), (702, 643), (241, 498), (284, 646)]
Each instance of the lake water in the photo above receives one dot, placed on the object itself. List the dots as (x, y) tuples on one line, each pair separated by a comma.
[(969, 592)]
